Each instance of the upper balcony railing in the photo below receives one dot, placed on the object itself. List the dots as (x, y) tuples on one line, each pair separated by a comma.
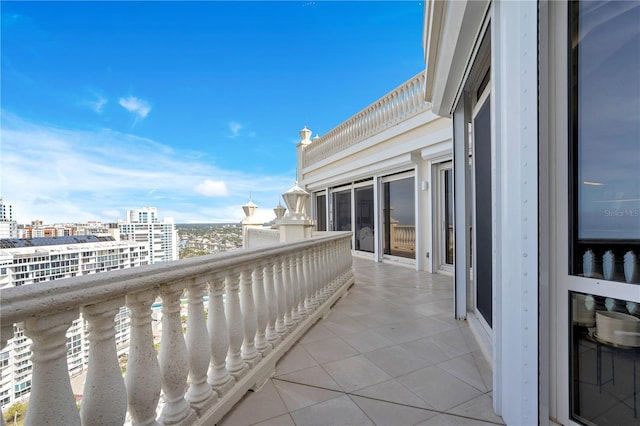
[(260, 302), (396, 106)]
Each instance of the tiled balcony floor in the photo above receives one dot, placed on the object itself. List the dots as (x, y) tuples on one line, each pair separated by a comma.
[(388, 353)]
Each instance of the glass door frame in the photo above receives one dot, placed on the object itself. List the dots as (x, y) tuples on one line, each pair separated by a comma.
[(440, 213)]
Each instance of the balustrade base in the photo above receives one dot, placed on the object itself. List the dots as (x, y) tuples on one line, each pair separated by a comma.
[(201, 407), (267, 366), (191, 419), (223, 388)]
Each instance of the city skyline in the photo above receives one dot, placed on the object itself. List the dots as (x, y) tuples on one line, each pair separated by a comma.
[(192, 108)]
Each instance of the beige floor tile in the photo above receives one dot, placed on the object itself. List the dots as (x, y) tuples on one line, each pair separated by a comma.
[(439, 388), (396, 360), (331, 349), (296, 359), (355, 373), (448, 420), (284, 420), (256, 407), (389, 414), (313, 376), (465, 369), (297, 396), (317, 332), (478, 408), (335, 412), (367, 341), (393, 391)]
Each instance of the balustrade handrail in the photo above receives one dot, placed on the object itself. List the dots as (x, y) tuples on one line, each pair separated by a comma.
[(260, 302), (402, 103), (19, 303)]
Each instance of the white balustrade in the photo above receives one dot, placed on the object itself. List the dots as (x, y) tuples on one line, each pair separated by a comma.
[(400, 104), (200, 373)]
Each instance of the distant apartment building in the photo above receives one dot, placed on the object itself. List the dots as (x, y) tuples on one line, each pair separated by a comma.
[(8, 226), (35, 260), (143, 225), (99, 229)]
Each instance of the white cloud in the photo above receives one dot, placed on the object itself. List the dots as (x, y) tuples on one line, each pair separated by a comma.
[(98, 105), (235, 127), (210, 188), (135, 106), (98, 175)]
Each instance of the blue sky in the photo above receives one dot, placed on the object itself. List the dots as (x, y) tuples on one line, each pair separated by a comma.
[(184, 106)]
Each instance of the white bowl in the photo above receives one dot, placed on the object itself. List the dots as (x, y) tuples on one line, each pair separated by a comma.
[(618, 328)]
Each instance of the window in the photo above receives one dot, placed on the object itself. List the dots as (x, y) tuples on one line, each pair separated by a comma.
[(398, 215), (321, 212), (364, 219), (604, 210), (342, 211)]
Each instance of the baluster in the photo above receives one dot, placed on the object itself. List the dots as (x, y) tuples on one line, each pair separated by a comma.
[(104, 398), (174, 365), (302, 285), (200, 395), (272, 305), (262, 344), (307, 280), (317, 275), (288, 291), (249, 319), (235, 363), (142, 379), (281, 298), (51, 400), (219, 377), (295, 289)]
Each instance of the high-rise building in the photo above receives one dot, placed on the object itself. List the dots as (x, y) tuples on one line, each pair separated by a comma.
[(8, 226), (35, 260), (143, 225)]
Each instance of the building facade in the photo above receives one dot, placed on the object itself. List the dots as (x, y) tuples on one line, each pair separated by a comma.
[(8, 226), (143, 225), (386, 175), (32, 261), (544, 99)]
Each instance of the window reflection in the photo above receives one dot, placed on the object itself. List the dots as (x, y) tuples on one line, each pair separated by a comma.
[(605, 138), (365, 235), (342, 211), (399, 218)]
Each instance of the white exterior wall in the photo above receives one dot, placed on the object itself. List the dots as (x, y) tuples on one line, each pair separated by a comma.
[(417, 144), (29, 265)]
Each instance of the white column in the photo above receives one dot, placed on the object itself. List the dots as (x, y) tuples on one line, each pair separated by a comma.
[(249, 318), (262, 344), (235, 363), (200, 395), (219, 377), (143, 371), (51, 400), (104, 399)]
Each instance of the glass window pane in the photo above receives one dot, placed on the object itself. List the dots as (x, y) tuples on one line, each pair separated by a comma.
[(321, 212), (365, 235), (605, 139), (399, 221), (342, 211), (605, 356)]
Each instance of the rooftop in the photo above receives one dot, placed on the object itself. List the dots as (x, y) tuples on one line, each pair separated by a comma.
[(388, 353)]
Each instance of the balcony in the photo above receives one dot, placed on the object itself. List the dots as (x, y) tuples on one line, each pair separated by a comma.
[(277, 323), (388, 353)]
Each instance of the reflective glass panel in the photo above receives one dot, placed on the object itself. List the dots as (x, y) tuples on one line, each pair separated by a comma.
[(399, 221)]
